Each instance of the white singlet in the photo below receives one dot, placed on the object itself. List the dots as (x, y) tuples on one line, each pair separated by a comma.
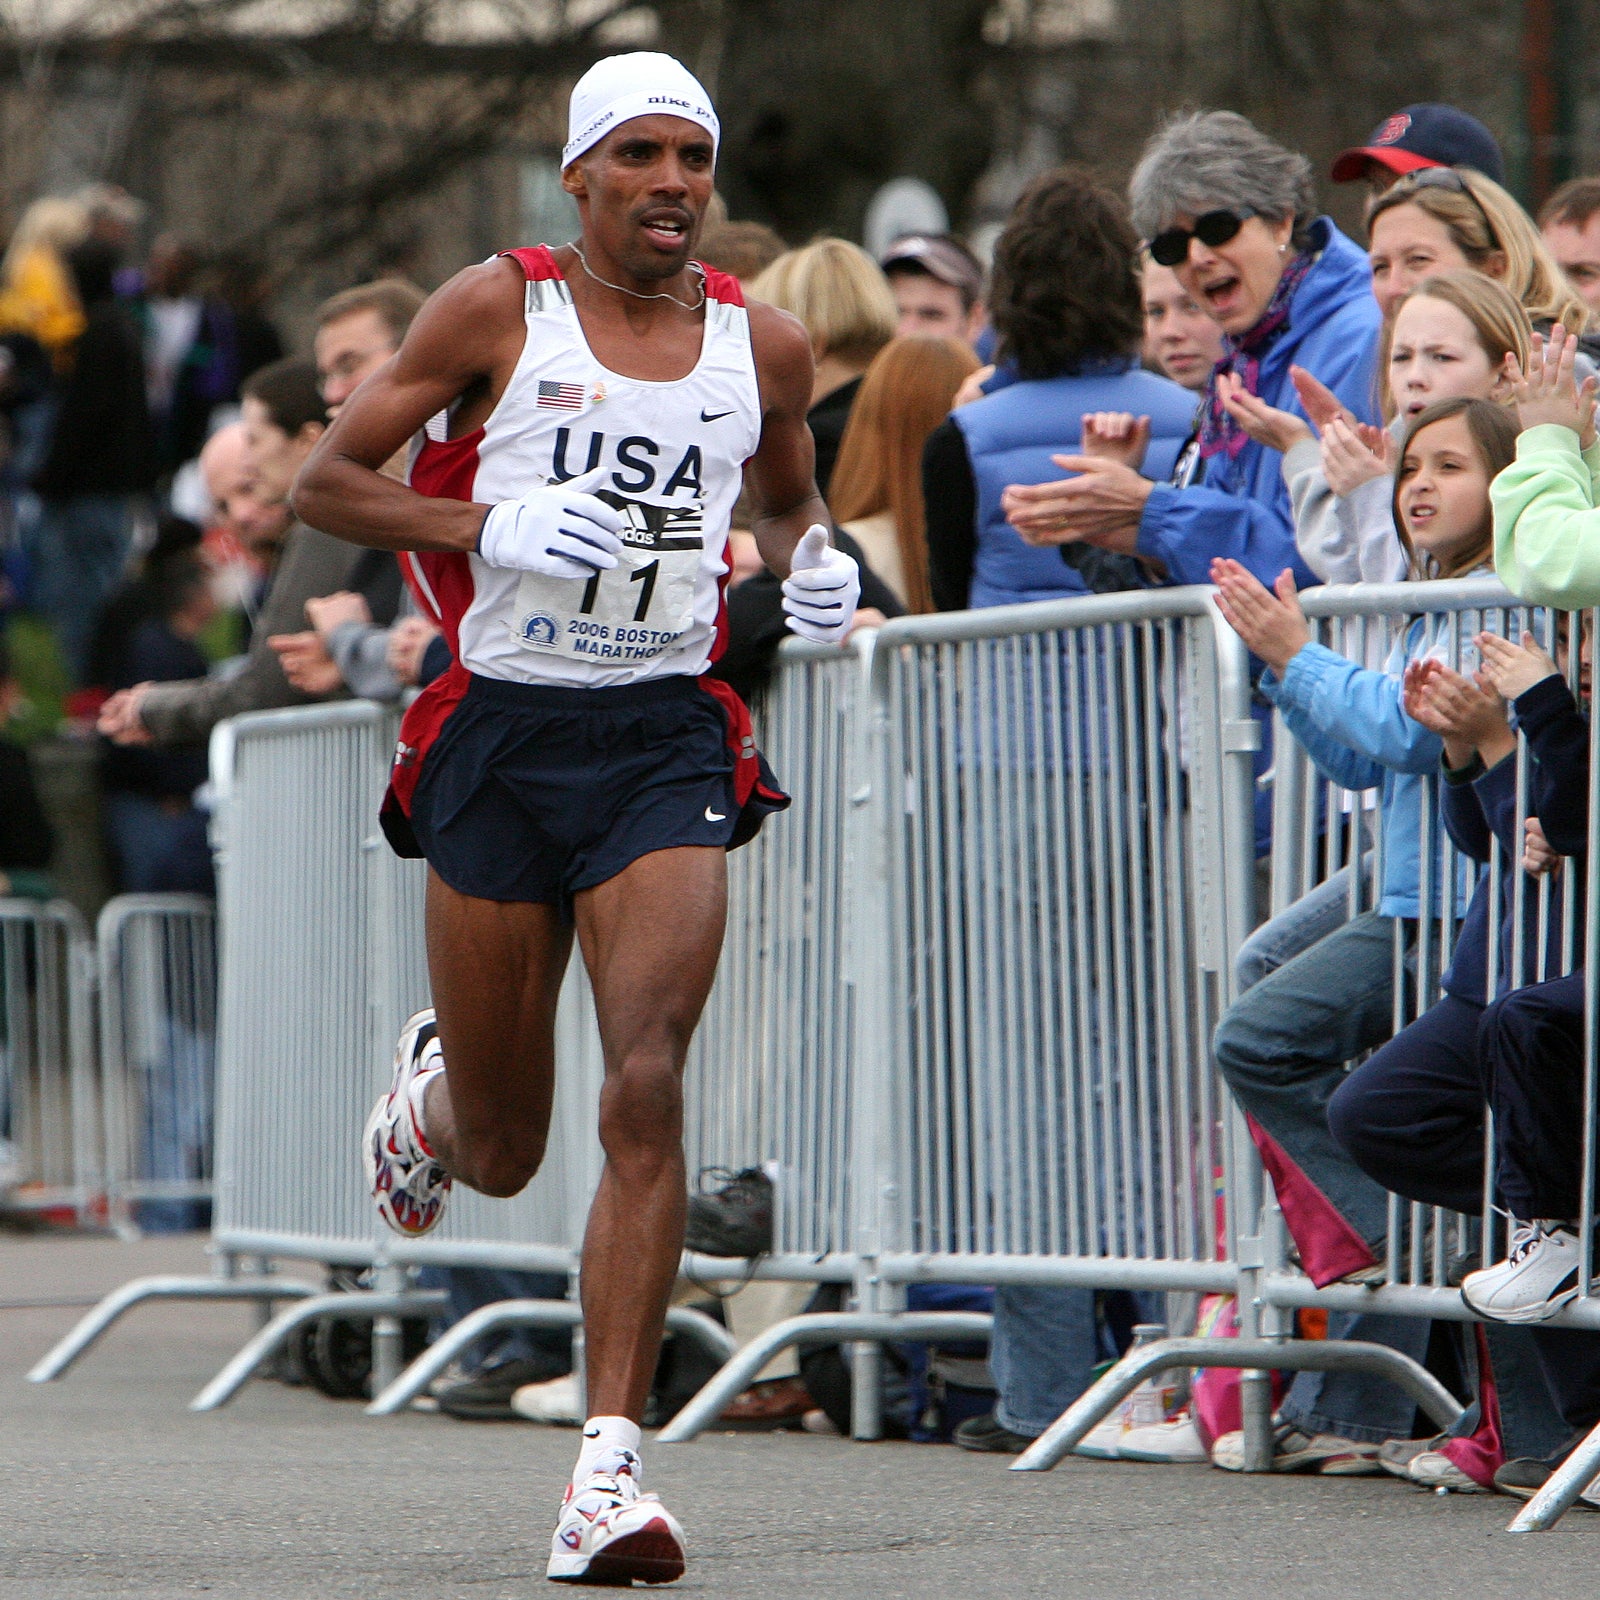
[(668, 456)]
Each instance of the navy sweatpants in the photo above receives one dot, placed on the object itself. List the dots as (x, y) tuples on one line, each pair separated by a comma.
[(1412, 1118)]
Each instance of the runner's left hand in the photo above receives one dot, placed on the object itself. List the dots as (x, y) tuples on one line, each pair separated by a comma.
[(821, 591)]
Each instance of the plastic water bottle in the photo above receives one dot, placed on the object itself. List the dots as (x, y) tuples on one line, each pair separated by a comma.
[(1152, 1400)]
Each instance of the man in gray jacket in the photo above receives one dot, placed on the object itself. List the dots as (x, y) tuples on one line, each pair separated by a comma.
[(283, 418)]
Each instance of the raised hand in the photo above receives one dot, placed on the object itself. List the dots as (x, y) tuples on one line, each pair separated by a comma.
[(1468, 715), (1514, 669), (1550, 392), (1115, 436), (821, 591), (1276, 429), (1269, 621)]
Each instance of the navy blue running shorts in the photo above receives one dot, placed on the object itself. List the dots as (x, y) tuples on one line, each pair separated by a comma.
[(535, 792)]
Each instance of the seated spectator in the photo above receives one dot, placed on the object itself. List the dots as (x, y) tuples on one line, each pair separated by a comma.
[(27, 840), (101, 458), (742, 249), (1067, 309), (157, 832), (1569, 223), (1417, 137), (938, 287), (283, 419), (842, 299), (1413, 1116), (877, 488), (1283, 1045)]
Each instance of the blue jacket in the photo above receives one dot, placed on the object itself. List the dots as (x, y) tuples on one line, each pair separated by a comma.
[(1010, 437), (1352, 723), (1239, 506)]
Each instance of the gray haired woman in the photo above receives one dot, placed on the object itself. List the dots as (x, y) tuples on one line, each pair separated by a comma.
[(1233, 213)]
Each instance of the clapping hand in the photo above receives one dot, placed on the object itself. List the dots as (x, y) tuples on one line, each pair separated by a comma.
[(1550, 392), (1269, 621), (1354, 453), (1465, 712), (1514, 669), (1276, 429), (1115, 436), (1321, 404)]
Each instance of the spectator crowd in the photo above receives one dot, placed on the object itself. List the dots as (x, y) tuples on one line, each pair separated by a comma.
[(1203, 381)]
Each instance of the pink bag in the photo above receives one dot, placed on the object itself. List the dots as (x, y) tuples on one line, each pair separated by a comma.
[(1214, 1399)]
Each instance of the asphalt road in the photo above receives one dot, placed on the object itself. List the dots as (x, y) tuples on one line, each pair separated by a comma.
[(111, 1487)]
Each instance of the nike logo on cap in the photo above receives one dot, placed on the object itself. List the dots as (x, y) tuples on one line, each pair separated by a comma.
[(713, 416), (715, 816)]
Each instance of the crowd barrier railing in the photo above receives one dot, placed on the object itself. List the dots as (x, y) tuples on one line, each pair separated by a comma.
[(1321, 830), (50, 1105), (157, 967)]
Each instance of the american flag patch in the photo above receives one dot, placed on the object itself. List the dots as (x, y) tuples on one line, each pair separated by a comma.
[(561, 396)]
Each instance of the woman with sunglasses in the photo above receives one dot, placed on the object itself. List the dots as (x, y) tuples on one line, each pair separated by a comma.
[(1233, 214)]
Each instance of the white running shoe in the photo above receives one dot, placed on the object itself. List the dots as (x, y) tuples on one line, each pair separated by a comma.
[(1103, 1442), (611, 1533), (1435, 1470), (408, 1185), (1537, 1278), (1175, 1440), (558, 1401)]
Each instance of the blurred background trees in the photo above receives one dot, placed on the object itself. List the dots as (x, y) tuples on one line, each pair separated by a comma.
[(334, 138)]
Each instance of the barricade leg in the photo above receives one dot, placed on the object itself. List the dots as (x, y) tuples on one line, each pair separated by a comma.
[(403, 1389), (874, 1326), (1562, 1489), (354, 1307), (94, 1323), (1330, 1355)]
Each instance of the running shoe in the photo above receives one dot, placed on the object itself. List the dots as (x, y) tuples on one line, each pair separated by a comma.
[(1523, 1478), (1537, 1278), (610, 1532), (409, 1187), (1294, 1451), (1435, 1470), (1176, 1440)]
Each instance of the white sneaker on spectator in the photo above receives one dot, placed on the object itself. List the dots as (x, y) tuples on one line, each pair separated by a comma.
[(409, 1187), (1102, 1442), (1294, 1451), (1436, 1471), (560, 1401), (611, 1532), (1396, 1455), (1536, 1279), (1175, 1440)]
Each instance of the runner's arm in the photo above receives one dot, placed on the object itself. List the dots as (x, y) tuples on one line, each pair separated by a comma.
[(453, 348), (781, 474)]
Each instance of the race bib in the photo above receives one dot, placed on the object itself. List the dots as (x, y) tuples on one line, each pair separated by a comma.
[(638, 609)]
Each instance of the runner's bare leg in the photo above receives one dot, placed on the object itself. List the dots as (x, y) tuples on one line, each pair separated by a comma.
[(496, 968), (651, 937)]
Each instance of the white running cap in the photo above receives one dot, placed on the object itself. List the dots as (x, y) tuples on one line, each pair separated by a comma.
[(643, 83)]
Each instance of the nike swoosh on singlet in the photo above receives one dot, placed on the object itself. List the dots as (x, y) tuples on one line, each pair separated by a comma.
[(713, 416)]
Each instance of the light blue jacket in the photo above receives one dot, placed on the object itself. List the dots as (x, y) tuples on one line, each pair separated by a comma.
[(1354, 727)]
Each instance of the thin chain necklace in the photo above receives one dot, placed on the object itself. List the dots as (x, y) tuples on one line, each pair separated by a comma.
[(572, 245)]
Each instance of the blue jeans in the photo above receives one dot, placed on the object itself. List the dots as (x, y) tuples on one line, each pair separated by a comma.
[(158, 850), (80, 550), (1282, 1048), (473, 1287), (1296, 928)]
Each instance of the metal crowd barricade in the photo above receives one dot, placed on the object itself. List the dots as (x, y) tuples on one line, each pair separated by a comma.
[(157, 962), (53, 1155), (1321, 830)]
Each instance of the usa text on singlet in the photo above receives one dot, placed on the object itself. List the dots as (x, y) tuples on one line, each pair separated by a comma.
[(667, 456)]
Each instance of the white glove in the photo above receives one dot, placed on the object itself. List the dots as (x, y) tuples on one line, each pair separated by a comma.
[(559, 530), (821, 591)]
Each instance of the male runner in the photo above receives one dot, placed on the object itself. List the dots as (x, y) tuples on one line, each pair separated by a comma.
[(587, 412)]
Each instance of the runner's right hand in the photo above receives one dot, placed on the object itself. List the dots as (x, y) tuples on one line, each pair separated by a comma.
[(557, 530)]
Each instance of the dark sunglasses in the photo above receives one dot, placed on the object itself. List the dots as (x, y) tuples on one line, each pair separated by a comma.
[(1171, 246)]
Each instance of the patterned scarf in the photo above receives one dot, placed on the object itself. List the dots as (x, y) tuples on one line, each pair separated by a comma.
[(1219, 433)]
